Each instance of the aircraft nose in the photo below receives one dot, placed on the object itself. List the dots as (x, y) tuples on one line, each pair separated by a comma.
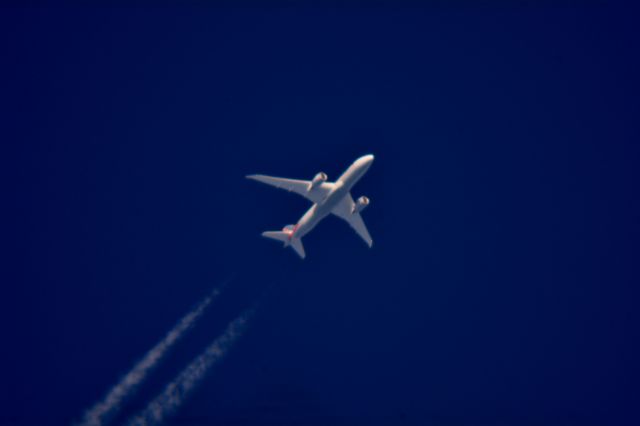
[(368, 158)]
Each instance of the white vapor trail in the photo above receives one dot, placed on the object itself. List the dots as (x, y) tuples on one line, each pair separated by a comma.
[(105, 409), (178, 390)]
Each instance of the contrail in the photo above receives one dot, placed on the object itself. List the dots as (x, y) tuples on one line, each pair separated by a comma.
[(105, 409), (177, 391)]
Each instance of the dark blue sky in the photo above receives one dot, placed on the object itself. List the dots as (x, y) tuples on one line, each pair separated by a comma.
[(502, 287)]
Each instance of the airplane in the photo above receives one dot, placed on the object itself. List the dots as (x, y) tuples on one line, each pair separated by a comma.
[(327, 197)]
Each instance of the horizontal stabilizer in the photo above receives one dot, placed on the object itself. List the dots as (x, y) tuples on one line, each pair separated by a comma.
[(277, 235), (284, 236)]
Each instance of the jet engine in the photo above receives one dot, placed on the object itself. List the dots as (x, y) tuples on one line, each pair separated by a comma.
[(317, 180), (360, 204)]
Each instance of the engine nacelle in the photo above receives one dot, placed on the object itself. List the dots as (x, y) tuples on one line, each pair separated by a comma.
[(317, 180), (360, 205)]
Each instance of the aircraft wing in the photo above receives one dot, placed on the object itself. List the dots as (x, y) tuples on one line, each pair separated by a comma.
[(343, 211), (300, 187)]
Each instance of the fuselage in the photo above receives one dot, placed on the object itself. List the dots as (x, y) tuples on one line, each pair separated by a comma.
[(343, 185)]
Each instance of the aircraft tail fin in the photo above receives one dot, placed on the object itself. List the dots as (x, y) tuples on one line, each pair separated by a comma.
[(284, 236)]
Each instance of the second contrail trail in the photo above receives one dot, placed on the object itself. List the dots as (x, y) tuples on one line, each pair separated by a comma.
[(105, 409), (177, 391)]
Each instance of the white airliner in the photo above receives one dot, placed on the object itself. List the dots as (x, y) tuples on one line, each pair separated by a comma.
[(327, 197)]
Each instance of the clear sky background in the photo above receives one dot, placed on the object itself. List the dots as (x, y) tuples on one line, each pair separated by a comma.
[(502, 286)]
